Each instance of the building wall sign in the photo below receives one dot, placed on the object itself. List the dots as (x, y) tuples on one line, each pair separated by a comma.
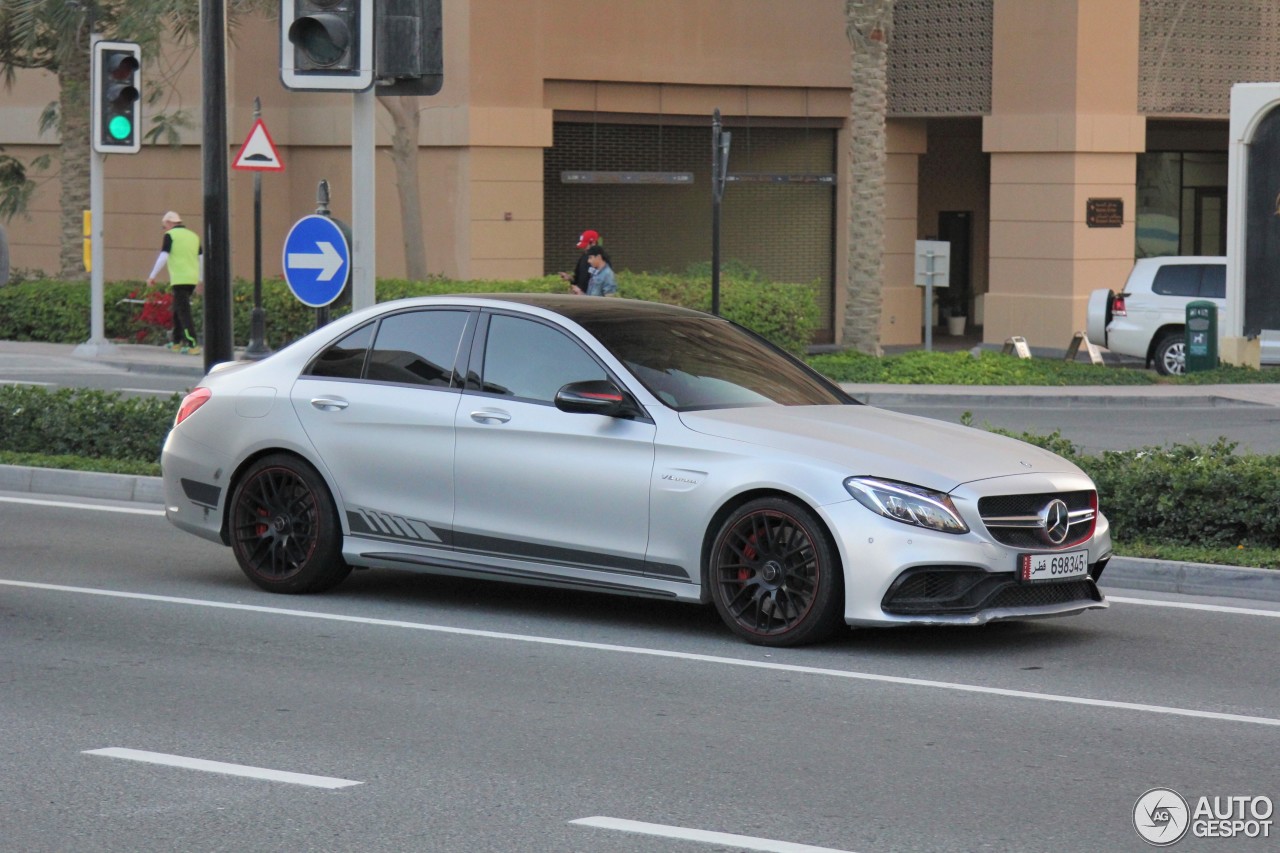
[(1104, 212)]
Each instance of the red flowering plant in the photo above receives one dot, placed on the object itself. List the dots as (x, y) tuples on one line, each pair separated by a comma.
[(156, 317)]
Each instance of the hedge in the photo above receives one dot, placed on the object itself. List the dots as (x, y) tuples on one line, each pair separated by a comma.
[(59, 311), (84, 422), (1184, 494)]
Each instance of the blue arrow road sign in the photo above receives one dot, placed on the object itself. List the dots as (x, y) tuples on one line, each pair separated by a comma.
[(317, 260)]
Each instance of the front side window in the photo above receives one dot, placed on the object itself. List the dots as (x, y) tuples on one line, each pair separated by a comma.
[(704, 363), (527, 359), (417, 348)]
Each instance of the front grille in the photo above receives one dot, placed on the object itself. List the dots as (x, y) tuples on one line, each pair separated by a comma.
[(1018, 520), (955, 590), (1044, 594)]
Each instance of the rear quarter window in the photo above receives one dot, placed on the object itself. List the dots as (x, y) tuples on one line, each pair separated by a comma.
[(1214, 283), (1178, 280)]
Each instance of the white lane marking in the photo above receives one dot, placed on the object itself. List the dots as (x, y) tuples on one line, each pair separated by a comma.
[(71, 505), (145, 391), (662, 653), (25, 382), (224, 768), (740, 842), (1186, 605)]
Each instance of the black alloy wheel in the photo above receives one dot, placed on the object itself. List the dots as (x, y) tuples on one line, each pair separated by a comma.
[(284, 527), (774, 576)]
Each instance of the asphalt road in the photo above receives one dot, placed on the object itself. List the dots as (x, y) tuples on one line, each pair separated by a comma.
[(483, 717), (1111, 426)]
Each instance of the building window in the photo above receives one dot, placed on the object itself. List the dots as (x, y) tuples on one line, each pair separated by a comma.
[(1182, 204)]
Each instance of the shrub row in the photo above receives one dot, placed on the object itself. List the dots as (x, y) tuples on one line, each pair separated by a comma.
[(59, 311), (1180, 495), (1184, 494), (83, 422)]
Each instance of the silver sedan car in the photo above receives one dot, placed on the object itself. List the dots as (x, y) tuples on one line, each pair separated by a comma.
[(626, 447)]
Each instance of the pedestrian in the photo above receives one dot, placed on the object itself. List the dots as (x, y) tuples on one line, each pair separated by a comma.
[(580, 278), (602, 282), (182, 254)]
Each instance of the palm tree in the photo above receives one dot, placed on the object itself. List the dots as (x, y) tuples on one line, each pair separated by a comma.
[(868, 24), (53, 35)]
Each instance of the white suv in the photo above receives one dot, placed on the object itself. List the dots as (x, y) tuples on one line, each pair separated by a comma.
[(1147, 319)]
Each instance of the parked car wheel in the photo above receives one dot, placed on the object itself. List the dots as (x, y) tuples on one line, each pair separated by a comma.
[(284, 527), (774, 578), (1171, 355)]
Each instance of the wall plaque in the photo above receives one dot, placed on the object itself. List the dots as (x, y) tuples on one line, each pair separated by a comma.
[(1104, 212)]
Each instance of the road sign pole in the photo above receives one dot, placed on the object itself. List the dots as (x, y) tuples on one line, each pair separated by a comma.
[(322, 209), (257, 347)]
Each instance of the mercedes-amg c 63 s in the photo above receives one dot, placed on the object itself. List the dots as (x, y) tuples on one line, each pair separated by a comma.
[(625, 447)]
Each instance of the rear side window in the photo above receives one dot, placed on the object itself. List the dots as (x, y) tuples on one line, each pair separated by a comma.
[(417, 348), (344, 359), (1178, 280)]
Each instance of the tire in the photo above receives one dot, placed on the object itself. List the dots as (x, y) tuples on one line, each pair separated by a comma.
[(284, 527), (774, 576), (1170, 355)]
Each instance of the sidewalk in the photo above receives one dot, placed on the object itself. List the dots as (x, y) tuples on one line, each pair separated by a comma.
[(1123, 572)]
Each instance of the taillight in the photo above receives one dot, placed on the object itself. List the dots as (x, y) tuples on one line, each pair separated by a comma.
[(197, 398), (1117, 306)]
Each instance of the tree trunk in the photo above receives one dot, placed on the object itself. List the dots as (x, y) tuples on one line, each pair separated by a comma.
[(868, 25), (404, 154), (73, 126)]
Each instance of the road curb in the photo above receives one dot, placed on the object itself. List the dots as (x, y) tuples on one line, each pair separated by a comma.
[(84, 484), (1192, 578)]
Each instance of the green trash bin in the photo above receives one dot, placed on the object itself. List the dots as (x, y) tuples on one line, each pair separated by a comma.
[(1201, 336)]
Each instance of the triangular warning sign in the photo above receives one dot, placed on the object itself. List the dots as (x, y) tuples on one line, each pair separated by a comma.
[(258, 152)]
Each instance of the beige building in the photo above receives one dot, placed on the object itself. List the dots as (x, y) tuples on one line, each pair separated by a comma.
[(1051, 141)]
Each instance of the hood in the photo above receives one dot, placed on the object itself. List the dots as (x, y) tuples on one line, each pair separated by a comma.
[(866, 441)]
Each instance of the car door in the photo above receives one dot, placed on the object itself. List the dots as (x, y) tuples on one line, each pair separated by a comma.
[(533, 483), (379, 406)]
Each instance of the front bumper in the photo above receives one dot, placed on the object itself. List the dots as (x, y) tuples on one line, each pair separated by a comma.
[(898, 574)]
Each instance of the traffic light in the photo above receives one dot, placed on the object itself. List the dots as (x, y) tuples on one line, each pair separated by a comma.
[(408, 46), (116, 82), (326, 44)]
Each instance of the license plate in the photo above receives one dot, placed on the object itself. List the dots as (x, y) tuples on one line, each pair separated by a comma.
[(1053, 567)]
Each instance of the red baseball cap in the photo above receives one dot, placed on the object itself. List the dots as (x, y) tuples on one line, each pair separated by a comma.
[(587, 238)]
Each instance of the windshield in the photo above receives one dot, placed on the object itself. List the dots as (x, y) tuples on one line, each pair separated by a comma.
[(695, 363)]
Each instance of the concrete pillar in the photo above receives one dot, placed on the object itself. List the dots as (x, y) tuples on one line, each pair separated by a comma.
[(1064, 128)]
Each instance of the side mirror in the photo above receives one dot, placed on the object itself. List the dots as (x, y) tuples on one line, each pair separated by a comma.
[(594, 397)]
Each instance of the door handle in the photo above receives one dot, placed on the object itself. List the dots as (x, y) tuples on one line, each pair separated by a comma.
[(485, 416), (329, 403)]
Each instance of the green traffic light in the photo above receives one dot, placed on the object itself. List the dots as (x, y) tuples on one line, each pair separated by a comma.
[(120, 127)]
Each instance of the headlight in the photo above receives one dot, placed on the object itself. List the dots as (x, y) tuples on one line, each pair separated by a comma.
[(908, 504)]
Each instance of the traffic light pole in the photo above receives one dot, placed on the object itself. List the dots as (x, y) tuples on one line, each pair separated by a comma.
[(97, 345), (363, 209)]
